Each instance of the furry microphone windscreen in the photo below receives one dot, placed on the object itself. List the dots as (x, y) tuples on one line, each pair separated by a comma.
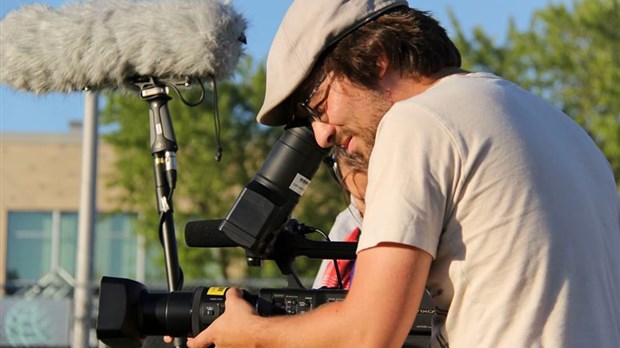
[(108, 44)]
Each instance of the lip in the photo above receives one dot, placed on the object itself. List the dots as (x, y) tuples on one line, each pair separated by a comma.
[(345, 144)]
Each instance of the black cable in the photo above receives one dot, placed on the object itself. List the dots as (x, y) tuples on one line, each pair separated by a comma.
[(336, 267), (162, 218), (185, 101), (216, 121), (216, 111)]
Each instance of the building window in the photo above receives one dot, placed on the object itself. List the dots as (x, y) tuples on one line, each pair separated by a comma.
[(116, 246), (44, 242), (29, 245)]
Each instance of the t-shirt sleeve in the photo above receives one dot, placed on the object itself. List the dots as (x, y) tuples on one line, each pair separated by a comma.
[(413, 171)]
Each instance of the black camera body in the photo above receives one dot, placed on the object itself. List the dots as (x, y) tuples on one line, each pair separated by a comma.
[(129, 312)]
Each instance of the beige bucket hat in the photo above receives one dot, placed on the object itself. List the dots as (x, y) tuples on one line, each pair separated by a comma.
[(309, 27)]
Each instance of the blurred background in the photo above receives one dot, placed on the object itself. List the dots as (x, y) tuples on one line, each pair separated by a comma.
[(566, 51)]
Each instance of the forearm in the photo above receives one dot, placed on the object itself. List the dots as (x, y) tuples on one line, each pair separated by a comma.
[(378, 311)]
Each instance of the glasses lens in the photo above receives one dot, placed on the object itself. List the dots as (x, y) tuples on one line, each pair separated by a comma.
[(303, 111)]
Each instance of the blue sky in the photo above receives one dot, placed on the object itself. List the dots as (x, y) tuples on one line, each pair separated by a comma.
[(24, 112)]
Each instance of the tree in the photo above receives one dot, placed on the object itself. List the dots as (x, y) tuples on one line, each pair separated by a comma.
[(206, 188), (568, 55)]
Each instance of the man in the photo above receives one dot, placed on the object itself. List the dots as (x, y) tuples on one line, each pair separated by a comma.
[(491, 198)]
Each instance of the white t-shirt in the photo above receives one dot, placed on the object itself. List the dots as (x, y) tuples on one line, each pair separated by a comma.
[(515, 203)]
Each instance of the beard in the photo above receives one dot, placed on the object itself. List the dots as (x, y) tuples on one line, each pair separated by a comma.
[(365, 128)]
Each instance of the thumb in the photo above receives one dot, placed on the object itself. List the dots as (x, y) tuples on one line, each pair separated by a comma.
[(233, 296), (233, 293)]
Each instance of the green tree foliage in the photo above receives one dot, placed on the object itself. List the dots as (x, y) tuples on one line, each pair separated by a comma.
[(570, 55), (206, 188)]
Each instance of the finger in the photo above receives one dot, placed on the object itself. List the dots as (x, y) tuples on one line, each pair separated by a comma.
[(203, 340), (233, 294)]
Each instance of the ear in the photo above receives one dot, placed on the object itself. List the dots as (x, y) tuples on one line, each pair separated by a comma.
[(387, 80), (382, 64)]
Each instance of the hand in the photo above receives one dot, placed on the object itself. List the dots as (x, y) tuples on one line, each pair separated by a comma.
[(237, 327)]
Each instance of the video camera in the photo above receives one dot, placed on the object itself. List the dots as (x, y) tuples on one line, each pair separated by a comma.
[(259, 221)]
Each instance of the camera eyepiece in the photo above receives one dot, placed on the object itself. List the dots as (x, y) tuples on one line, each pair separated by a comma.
[(267, 202)]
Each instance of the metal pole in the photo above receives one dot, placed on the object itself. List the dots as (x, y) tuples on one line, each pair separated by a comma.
[(82, 298)]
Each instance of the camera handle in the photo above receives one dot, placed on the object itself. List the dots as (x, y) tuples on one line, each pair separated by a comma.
[(289, 241), (290, 244)]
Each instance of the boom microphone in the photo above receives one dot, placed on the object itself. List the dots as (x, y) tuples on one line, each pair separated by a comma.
[(112, 43)]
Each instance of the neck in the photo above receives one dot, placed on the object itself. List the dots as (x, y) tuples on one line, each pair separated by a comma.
[(400, 87)]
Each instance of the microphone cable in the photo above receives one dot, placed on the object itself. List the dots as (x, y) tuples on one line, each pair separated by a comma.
[(216, 121), (216, 110), (336, 266), (160, 229), (304, 229)]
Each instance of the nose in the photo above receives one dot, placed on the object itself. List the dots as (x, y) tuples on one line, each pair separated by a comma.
[(324, 133)]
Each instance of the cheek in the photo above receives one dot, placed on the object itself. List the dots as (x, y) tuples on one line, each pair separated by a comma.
[(340, 107), (336, 112), (357, 184), (363, 182)]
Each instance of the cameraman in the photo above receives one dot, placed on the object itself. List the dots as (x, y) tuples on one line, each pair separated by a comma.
[(484, 193)]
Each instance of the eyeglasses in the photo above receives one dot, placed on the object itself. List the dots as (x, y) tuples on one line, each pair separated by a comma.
[(303, 109), (331, 163)]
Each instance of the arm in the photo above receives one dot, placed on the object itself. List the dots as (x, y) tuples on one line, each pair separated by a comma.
[(378, 311)]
